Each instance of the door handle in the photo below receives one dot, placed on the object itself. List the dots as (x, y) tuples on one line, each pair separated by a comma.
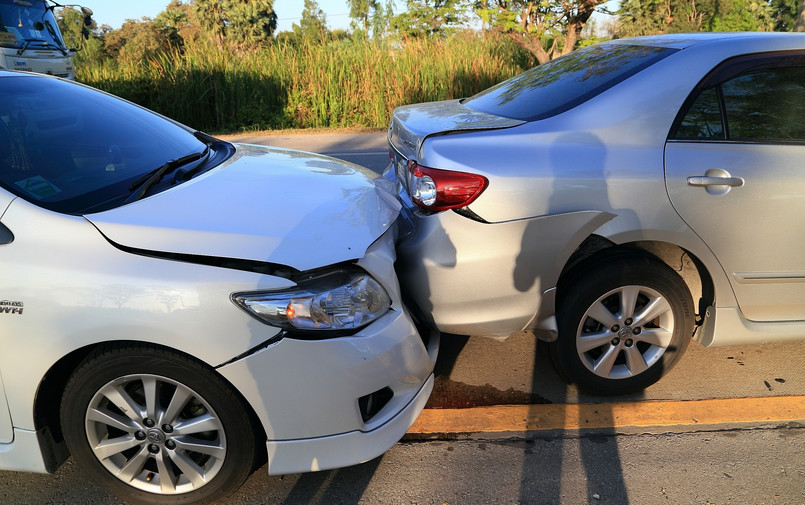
[(704, 180)]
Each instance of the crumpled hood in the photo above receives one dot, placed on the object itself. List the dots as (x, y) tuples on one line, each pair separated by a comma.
[(275, 205)]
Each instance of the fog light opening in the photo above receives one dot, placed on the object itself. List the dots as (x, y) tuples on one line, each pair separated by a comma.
[(373, 403)]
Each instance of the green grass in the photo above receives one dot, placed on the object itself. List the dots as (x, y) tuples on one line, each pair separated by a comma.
[(342, 84)]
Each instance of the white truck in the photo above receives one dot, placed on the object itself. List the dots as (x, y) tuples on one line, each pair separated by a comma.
[(30, 39)]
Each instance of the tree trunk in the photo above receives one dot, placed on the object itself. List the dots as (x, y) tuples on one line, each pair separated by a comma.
[(534, 46), (800, 26)]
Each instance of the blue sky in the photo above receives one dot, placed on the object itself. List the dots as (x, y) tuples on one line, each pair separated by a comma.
[(113, 13)]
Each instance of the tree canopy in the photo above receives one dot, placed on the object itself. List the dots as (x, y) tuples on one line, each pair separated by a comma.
[(546, 28), (642, 17), (313, 25), (246, 22)]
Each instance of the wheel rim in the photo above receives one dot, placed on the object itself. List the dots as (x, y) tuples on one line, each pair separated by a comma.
[(155, 434), (624, 332)]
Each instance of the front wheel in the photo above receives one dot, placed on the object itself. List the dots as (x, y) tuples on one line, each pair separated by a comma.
[(623, 323), (153, 426)]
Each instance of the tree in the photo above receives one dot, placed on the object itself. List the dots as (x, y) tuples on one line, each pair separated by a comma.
[(381, 19), (546, 28), (800, 26), (137, 41), (361, 11), (313, 25), (172, 21), (244, 22), (790, 15), (71, 25), (428, 18), (644, 17)]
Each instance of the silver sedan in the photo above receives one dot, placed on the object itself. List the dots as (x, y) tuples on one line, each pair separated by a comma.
[(615, 202)]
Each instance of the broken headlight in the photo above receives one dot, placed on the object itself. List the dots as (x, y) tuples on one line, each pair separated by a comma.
[(339, 300)]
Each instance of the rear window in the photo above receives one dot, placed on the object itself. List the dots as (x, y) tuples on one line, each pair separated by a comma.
[(564, 83)]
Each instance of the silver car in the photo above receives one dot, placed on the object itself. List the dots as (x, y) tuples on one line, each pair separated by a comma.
[(175, 309), (616, 202)]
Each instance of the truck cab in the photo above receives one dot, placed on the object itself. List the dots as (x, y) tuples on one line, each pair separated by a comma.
[(30, 39)]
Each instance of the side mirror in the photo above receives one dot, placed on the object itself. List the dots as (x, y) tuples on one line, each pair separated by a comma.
[(87, 16), (39, 26)]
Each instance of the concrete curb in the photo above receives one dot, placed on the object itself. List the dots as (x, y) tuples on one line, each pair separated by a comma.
[(617, 417)]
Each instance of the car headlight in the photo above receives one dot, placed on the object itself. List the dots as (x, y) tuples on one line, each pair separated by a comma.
[(340, 300)]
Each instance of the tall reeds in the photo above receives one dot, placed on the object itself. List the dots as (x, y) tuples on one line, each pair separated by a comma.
[(341, 84)]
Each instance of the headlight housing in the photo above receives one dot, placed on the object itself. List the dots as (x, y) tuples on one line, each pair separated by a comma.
[(341, 300)]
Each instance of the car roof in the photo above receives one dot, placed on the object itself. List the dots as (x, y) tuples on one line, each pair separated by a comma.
[(19, 73), (685, 40)]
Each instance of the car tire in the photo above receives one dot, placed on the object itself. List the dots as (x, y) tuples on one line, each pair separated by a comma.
[(153, 426), (624, 321)]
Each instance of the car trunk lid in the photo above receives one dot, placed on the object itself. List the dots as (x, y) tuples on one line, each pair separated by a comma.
[(412, 124)]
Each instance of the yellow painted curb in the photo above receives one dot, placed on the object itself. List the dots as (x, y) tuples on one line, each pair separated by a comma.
[(609, 415)]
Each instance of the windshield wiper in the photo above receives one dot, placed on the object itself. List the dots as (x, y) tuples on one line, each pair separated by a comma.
[(25, 46), (154, 176), (186, 175), (53, 34)]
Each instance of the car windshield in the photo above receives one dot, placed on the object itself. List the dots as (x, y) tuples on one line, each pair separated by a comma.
[(564, 83), (72, 149), (28, 23)]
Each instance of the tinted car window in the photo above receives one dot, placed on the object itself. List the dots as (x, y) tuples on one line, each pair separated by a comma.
[(766, 105), (71, 149), (758, 104), (703, 120), (565, 82)]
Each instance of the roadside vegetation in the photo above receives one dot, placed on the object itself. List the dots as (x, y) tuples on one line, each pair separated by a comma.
[(219, 65)]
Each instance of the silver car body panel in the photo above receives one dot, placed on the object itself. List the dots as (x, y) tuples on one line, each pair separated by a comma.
[(433, 118), (762, 215), (76, 290), (604, 156), (515, 261)]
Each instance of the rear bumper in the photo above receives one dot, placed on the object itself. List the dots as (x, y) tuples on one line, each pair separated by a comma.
[(485, 279)]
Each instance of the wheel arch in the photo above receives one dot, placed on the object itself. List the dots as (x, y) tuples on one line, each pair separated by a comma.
[(596, 248), (48, 400)]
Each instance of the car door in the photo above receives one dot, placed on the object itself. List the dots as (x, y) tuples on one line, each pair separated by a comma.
[(735, 172)]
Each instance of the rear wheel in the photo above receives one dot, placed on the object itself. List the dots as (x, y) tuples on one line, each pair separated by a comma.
[(623, 322), (153, 426)]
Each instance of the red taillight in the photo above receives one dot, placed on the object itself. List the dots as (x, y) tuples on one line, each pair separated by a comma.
[(436, 189)]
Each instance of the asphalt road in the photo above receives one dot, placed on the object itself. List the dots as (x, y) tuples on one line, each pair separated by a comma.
[(740, 467), (724, 462)]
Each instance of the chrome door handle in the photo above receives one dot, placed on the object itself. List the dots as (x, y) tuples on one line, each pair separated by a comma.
[(704, 180)]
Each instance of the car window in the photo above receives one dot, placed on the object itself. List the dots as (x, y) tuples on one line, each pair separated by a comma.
[(703, 120), (757, 105), (766, 105), (72, 149), (566, 82)]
